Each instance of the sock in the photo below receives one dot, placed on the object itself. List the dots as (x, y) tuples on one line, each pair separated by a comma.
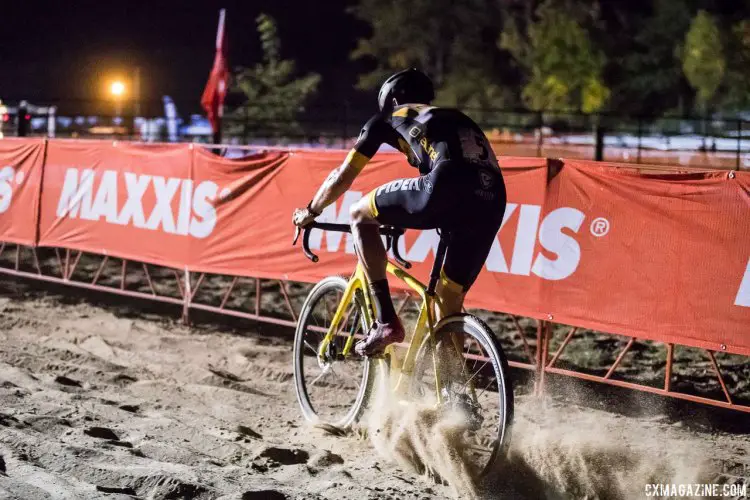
[(382, 295)]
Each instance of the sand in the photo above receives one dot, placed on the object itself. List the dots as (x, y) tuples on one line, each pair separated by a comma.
[(114, 398)]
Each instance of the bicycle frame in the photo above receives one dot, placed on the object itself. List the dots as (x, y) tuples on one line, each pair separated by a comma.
[(425, 322)]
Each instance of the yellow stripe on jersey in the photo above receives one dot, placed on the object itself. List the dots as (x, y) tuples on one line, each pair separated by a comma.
[(373, 206), (401, 113), (356, 160), (412, 109)]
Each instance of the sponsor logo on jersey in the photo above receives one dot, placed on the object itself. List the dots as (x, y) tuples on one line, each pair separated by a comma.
[(486, 179), (415, 184), (429, 149)]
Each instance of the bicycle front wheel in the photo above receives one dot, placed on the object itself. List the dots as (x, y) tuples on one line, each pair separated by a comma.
[(331, 389), (477, 384)]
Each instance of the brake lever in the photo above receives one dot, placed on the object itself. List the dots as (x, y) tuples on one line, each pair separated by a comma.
[(297, 231)]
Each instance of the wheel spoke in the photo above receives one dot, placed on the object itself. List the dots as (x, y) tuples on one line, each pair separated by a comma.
[(472, 390), (322, 374), (310, 347), (484, 390), (327, 309), (334, 389), (312, 313)]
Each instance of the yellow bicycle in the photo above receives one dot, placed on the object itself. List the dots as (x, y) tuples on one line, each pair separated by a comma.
[(333, 383)]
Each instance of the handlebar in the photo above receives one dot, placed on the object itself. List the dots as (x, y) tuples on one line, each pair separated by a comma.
[(391, 233)]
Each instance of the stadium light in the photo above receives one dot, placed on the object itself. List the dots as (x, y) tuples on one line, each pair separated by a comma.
[(117, 89)]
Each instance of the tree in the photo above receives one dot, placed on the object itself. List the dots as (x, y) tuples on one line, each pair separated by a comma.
[(648, 77), (563, 69), (703, 58), (737, 95), (447, 42), (274, 97)]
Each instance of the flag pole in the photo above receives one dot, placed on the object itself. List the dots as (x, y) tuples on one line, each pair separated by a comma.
[(219, 48), (216, 89)]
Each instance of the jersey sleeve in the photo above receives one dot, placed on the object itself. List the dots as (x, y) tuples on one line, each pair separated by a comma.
[(374, 133)]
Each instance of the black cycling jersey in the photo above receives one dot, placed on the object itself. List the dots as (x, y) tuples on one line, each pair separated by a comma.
[(460, 188), (428, 136)]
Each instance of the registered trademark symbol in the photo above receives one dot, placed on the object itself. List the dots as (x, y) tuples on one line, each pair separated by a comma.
[(599, 227)]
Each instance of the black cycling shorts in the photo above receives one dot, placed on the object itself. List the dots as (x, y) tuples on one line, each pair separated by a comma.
[(465, 199)]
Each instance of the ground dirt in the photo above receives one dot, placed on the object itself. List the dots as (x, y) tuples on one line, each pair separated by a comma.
[(116, 398)]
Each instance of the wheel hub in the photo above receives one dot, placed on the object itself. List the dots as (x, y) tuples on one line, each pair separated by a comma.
[(466, 406)]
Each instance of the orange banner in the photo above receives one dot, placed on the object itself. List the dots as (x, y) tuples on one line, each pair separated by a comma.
[(596, 245), (21, 163), (664, 257), (127, 200)]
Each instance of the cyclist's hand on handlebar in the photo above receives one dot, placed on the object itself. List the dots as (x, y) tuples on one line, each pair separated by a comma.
[(303, 216)]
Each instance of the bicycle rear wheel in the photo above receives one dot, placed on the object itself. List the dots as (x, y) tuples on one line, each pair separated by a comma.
[(330, 389), (478, 386)]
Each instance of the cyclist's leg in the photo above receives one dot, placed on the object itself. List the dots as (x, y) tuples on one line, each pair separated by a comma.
[(367, 243), (407, 203), (404, 203), (471, 241)]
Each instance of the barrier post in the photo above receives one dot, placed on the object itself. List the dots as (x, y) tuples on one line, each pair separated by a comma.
[(739, 143), (546, 334), (668, 368), (540, 138), (599, 143), (640, 137), (186, 299), (540, 358), (245, 124)]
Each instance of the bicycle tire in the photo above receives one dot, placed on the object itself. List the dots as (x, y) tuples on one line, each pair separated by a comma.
[(475, 327), (326, 285)]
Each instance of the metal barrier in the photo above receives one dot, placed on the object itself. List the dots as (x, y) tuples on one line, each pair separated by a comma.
[(184, 288)]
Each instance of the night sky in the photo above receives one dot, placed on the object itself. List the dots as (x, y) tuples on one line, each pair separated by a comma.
[(66, 52)]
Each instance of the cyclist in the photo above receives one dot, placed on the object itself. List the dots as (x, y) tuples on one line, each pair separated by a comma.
[(460, 189)]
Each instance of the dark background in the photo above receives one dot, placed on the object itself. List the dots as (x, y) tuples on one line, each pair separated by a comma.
[(62, 51)]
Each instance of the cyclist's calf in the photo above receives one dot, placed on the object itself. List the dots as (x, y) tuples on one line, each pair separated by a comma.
[(367, 242)]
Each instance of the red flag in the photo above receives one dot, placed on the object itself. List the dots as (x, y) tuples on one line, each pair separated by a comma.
[(218, 81)]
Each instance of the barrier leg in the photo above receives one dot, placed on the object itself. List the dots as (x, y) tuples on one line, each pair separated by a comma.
[(560, 349), (540, 360), (36, 259), (122, 273), (67, 264), (257, 296), (668, 370), (526, 347), (148, 279), (225, 299), (546, 334), (186, 298), (619, 358), (282, 286), (73, 266), (99, 271), (718, 375)]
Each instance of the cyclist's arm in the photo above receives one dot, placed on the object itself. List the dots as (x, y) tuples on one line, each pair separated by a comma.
[(340, 179)]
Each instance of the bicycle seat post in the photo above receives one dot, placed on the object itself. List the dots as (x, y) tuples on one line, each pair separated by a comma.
[(437, 266)]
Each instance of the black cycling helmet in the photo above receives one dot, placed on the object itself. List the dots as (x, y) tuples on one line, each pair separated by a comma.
[(409, 85)]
